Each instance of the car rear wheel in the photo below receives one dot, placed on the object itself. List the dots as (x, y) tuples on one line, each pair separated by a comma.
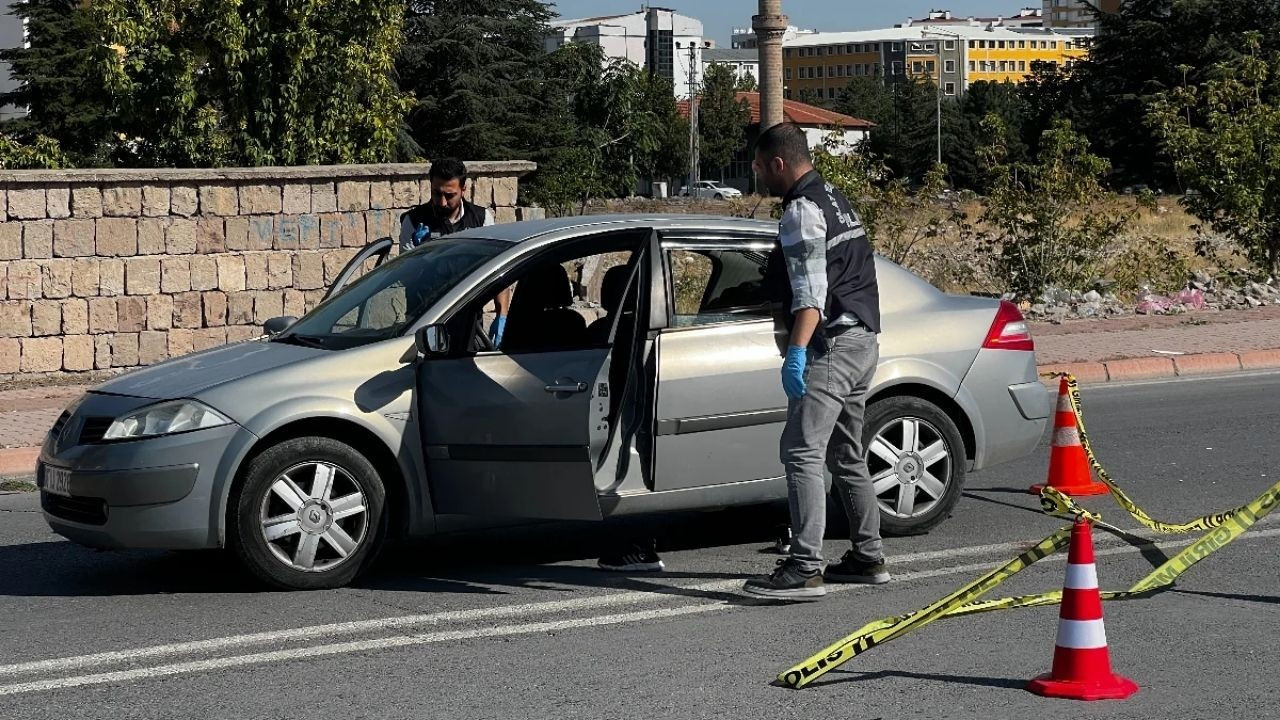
[(916, 458), (719, 196), (308, 514)]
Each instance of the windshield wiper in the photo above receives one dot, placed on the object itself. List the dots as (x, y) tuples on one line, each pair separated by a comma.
[(303, 340)]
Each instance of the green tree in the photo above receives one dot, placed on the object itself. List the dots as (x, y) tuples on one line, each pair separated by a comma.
[(43, 153), (907, 138), (1048, 221), (722, 119), (963, 131), (1136, 58), (867, 98), (253, 82), (476, 68), (669, 158), (60, 80), (1224, 138)]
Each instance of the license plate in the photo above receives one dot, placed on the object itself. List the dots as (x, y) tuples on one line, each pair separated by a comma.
[(57, 480)]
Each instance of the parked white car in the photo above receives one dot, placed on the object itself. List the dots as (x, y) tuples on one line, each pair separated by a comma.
[(710, 189)]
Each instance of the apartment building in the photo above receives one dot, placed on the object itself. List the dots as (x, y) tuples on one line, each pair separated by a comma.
[(662, 41), (1076, 13), (954, 57)]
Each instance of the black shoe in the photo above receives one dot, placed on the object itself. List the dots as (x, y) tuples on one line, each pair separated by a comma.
[(852, 570), (634, 560), (788, 582)]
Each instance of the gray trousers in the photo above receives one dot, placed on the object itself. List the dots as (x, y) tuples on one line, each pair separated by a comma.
[(825, 427)]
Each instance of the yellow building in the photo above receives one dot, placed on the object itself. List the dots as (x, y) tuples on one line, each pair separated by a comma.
[(954, 57)]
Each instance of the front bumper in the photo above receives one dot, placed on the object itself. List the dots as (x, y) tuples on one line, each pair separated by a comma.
[(160, 492)]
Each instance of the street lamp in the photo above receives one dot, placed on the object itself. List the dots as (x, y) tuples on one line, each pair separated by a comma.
[(955, 36)]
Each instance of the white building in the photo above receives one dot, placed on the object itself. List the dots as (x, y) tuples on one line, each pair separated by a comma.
[(1025, 17), (663, 41), (744, 63), (745, 38)]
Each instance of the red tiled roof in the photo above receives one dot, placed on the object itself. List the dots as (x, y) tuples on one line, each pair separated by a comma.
[(796, 112)]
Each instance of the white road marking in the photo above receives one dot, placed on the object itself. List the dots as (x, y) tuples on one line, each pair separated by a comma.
[(487, 632), (357, 627)]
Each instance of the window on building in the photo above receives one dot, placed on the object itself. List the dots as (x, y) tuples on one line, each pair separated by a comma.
[(973, 66), (950, 88), (788, 73), (1004, 66), (1022, 44), (1000, 45), (930, 67), (950, 45), (897, 47), (897, 67), (848, 49), (849, 71), (949, 66), (1022, 65), (917, 67), (819, 71), (786, 52), (831, 93), (877, 47), (1055, 44)]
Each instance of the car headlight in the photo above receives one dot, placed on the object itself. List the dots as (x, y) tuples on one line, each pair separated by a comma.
[(163, 419)]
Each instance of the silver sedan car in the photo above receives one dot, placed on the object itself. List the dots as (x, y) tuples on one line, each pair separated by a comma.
[(637, 373)]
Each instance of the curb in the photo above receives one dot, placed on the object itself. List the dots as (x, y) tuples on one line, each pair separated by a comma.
[(18, 461), (1152, 368)]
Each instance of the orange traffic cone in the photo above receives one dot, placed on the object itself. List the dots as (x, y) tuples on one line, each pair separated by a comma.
[(1068, 464), (1081, 662)]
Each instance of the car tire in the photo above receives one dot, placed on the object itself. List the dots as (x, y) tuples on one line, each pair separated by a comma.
[(885, 420), (719, 196), (291, 532)]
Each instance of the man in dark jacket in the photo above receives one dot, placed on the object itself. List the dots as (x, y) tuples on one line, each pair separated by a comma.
[(831, 306), (447, 212)]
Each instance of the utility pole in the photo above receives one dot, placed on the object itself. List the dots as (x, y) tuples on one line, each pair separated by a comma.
[(694, 163)]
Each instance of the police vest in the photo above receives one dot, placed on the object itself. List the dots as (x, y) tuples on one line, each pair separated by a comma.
[(851, 268), (473, 216)]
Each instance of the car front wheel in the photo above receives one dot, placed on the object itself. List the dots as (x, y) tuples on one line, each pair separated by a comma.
[(308, 514), (916, 459)]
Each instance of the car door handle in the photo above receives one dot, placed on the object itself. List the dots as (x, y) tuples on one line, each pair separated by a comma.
[(567, 387)]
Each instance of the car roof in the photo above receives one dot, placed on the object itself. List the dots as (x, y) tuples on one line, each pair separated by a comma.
[(530, 229)]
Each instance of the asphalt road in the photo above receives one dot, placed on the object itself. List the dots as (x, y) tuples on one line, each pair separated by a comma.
[(519, 624)]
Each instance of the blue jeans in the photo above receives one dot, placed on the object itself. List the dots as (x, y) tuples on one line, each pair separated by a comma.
[(825, 427)]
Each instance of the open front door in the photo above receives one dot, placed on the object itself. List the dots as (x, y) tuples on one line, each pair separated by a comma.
[(519, 431), (515, 435)]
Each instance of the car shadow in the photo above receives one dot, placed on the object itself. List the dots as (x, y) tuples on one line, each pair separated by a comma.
[(478, 562)]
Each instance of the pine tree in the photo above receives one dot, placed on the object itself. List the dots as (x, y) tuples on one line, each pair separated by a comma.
[(722, 119), (60, 80), (475, 69)]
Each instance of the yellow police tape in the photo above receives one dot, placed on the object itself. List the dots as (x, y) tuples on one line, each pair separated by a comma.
[(1223, 529)]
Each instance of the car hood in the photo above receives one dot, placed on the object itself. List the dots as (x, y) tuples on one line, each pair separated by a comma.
[(189, 375)]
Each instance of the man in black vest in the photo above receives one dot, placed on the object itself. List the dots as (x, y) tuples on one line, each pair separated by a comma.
[(823, 271), (446, 213)]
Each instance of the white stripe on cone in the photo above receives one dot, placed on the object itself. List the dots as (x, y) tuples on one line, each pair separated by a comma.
[(1081, 634), (1064, 403), (1066, 437), (1081, 577)]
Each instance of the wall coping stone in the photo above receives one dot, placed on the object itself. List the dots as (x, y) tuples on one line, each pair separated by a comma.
[(271, 174)]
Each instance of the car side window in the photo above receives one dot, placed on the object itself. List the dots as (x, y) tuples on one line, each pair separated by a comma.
[(559, 305), (718, 285)]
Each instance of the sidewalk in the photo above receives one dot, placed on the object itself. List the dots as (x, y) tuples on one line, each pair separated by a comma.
[(1131, 348)]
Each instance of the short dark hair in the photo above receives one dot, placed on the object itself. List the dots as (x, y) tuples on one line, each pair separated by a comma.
[(786, 141), (446, 169)]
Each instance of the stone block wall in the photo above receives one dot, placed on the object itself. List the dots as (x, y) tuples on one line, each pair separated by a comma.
[(106, 269)]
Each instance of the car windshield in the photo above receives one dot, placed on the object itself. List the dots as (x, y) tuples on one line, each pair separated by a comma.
[(384, 302)]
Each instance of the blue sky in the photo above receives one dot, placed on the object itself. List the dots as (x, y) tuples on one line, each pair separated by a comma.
[(719, 16)]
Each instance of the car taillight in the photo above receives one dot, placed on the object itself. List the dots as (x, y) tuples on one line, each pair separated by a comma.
[(1009, 331)]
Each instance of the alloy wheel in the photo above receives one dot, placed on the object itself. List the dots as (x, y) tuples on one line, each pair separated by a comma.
[(317, 528), (910, 465)]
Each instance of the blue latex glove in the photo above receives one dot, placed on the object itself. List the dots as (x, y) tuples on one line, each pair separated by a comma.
[(495, 332), (793, 372), (421, 235)]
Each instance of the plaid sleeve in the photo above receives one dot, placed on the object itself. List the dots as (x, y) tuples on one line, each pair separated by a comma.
[(804, 247)]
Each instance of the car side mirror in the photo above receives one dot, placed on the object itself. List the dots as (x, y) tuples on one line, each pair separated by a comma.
[(277, 325), (432, 341)]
